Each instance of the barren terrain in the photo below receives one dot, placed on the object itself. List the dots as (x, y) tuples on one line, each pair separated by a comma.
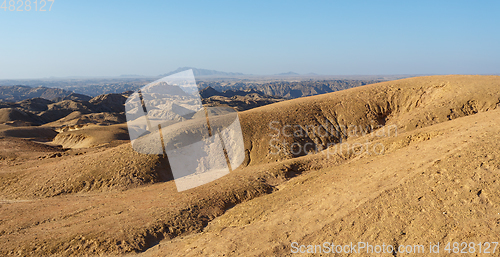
[(74, 186)]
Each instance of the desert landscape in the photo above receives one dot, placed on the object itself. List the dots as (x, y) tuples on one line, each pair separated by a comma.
[(402, 162), (249, 128)]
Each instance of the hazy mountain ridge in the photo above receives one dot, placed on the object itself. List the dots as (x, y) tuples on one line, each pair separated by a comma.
[(286, 85), (91, 87), (290, 89), (240, 100), (202, 72), (290, 73), (80, 91), (18, 93)]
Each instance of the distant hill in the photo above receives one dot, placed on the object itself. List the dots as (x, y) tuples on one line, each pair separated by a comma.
[(11, 90), (203, 72), (14, 114), (131, 76), (69, 109), (290, 89), (18, 93), (290, 73), (73, 96), (240, 100), (87, 86), (210, 91)]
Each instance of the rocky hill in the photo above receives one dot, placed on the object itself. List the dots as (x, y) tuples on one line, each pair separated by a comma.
[(75, 108), (240, 100)]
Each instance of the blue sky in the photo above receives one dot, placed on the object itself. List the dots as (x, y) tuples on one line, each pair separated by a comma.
[(110, 38)]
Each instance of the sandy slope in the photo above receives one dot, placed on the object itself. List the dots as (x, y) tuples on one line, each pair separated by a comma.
[(441, 189)]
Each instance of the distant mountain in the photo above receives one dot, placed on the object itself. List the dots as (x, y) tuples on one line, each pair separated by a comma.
[(73, 109), (86, 86), (73, 96), (69, 108), (240, 100), (18, 93), (203, 72), (131, 76), (287, 89), (210, 91), (290, 73), (109, 102)]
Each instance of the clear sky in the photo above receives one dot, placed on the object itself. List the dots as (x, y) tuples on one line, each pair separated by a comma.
[(111, 38)]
